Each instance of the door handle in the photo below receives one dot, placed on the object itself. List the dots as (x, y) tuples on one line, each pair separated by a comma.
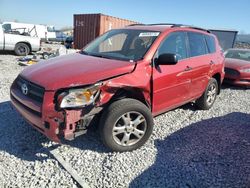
[(211, 62), (188, 68)]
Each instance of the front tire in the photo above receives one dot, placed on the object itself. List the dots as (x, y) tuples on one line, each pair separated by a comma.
[(208, 98), (126, 125), (22, 49)]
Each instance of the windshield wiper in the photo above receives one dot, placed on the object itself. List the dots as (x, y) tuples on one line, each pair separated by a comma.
[(94, 54), (100, 55), (84, 52), (104, 56)]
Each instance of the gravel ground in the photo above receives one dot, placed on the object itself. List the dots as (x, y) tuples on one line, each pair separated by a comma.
[(188, 148)]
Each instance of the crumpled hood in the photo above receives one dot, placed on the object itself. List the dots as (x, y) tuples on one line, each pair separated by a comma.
[(236, 63), (73, 70)]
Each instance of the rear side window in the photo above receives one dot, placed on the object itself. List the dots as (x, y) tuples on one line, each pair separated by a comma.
[(197, 44), (210, 43)]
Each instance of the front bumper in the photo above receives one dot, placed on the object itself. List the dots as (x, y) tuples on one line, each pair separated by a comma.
[(237, 77), (43, 116), (244, 82)]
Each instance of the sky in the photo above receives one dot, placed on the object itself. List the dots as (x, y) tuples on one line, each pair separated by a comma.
[(222, 14)]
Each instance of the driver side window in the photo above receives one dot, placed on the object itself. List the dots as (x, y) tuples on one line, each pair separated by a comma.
[(175, 43)]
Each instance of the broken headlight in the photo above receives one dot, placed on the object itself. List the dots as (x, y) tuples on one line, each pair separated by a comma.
[(79, 97)]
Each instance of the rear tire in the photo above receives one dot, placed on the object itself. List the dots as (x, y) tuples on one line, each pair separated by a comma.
[(206, 101), (22, 49), (126, 125)]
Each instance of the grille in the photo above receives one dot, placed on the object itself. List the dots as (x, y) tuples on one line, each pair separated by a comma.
[(231, 72), (35, 92), (26, 107)]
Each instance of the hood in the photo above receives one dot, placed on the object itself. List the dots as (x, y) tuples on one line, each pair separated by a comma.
[(236, 63), (73, 70)]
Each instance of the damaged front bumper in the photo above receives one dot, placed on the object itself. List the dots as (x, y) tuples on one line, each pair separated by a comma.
[(56, 125)]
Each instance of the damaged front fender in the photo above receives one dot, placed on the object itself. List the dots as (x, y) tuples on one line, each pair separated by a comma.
[(134, 85)]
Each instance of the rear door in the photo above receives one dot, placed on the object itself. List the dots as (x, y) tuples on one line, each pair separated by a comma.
[(171, 83), (216, 58), (200, 62)]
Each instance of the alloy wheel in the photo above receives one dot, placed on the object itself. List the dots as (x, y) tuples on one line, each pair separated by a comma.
[(211, 94), (129, 128)]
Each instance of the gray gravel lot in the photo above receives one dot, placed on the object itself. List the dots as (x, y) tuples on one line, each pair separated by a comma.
[(188, 148)]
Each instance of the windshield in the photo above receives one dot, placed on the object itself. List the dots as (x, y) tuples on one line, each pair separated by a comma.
[(238, 54), (122, 44)]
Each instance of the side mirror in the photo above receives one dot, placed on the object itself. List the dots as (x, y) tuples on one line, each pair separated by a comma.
[(167, 59)]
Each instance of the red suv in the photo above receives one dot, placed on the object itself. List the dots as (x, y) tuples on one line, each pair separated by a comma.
[(126, 76)]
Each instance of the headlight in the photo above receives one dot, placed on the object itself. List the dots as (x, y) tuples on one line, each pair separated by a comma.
[(246, 70), (79, 97)]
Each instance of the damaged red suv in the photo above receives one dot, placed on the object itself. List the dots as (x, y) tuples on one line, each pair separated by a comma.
[(127, 76)]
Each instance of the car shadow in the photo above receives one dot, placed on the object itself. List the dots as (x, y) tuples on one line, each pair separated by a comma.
[(7, 53), (89, 141), (189, 106), (211, 153), (17, 137), (233, 87), (20, 139)]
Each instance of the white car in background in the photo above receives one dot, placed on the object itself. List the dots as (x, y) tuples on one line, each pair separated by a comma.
[(21, 44), (44, 32)]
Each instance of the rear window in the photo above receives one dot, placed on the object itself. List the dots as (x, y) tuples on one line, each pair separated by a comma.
[(197, 44), (6, 27), (210, 43)]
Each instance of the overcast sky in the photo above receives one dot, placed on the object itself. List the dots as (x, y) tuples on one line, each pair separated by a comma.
[(223, 14)]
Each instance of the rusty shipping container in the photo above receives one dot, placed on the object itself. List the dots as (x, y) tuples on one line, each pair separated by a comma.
[(89, 26)]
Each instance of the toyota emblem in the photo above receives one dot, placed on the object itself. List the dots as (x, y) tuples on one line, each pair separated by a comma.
[(24, 89)]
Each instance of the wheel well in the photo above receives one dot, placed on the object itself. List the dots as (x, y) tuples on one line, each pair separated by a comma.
[(217, 76), (133, 93), (28, 44)]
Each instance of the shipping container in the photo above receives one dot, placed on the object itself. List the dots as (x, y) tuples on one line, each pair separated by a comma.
[(89, 26)]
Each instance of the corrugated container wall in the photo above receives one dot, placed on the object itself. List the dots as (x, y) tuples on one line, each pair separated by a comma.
[(89, 26)]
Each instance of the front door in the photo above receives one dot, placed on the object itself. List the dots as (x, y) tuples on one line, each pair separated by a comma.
[(171, 83)]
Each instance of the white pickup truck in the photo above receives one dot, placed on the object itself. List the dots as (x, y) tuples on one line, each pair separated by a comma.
[(21, 44)]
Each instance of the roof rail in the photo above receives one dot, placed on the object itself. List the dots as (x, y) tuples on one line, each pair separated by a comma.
[(135, 24), (192, 27), (174, 25), (171, 24)]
